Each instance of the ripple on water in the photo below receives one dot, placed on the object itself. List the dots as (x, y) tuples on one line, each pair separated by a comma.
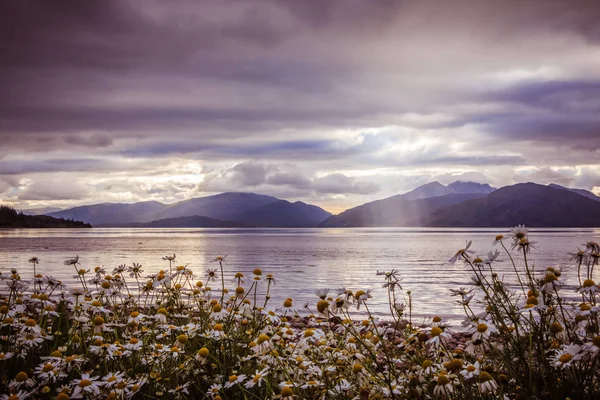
[(301, 259)]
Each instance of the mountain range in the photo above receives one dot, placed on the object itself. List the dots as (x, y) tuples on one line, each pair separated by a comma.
[(222, 210), (409, 209), (460, 204)]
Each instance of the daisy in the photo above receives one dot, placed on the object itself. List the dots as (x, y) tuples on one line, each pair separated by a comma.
[(287, 393), (235, 380), (550, 283), (211, 274), (524, 245), (486, 383), (113, 378), (214, 390), (460, 292), (498, 239), (180, 389), (444, 386), (580, 256), (134, 387), (519, 232), (462, 252), (48, 372), (135, 271), (311, 384), (322, 293), (288, 307), (257, 378), (21, 379), (86, 385), (21, 395), (471, 370), (593, 347), (438, 336), (589, 287), (482, 331), (566, 356)]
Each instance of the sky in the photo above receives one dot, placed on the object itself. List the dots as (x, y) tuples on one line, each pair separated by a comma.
[(334, 103)]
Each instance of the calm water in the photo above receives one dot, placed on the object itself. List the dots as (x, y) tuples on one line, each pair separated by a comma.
[(302, 260)]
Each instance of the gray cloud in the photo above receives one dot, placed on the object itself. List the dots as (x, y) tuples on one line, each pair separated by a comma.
[(253, 176), (341, 184), (54, 189), (362, 98)]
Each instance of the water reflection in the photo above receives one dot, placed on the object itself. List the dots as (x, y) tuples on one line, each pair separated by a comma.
[(302, 260)]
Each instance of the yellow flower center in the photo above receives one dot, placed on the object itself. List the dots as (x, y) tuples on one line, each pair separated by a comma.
[(443, 380), (322, 305), (262, 338), (565, 358), (183, 338), (84, 383), (484, 377), (203, 352), (588, 283)]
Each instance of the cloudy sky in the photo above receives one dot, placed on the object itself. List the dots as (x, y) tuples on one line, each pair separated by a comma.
[(331, 102)]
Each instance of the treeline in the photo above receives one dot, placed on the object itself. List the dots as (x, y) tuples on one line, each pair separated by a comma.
[(10, 218)]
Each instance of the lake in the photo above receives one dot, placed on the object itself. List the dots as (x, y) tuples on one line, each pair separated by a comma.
[(302, 260)]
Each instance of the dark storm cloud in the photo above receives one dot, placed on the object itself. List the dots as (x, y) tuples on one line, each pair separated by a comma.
[(560, 112)]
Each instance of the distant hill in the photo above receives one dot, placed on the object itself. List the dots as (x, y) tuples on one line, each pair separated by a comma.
[(112, 213), (225, 206), (408, 209), (10, 218), (526, 203), (241, 209), (40, 211), (582, 192), (282, 213), (195, 221)]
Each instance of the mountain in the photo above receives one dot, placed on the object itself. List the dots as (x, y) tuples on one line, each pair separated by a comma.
[(582, 192), (395, 211), (431, 189), (282, 213), (470, 187), (408, 209), (10, 218), (41, 211), (112, 213), (436, 189), (225, 206), (240, 209), (195, 221), (525, 203)]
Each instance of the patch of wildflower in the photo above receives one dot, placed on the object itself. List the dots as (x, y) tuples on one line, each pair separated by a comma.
[(121, 334)]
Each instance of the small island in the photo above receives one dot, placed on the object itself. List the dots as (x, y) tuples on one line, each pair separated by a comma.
[(10, 218)]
